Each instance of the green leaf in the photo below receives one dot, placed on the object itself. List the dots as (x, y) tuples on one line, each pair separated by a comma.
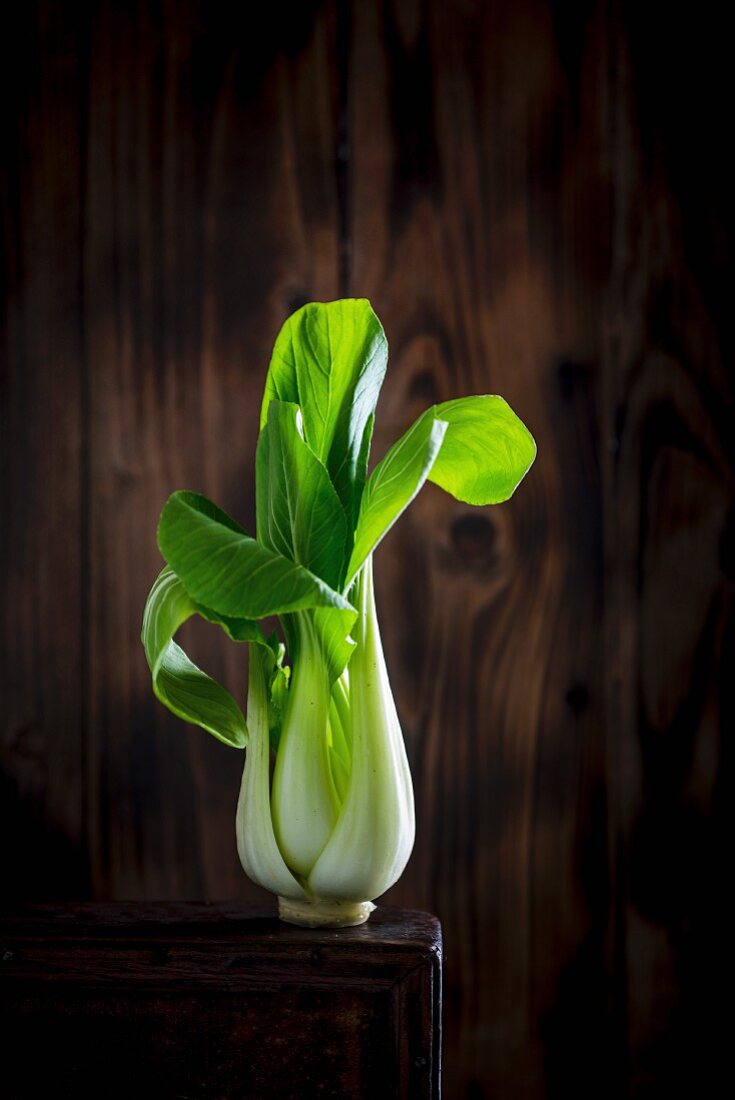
[(394, 483), (486, 451), (278, 694), (330, 627), (330, 359), (239, 630), (224, 569), (299, 513), (362, 470), (177, 682), (333, 628)]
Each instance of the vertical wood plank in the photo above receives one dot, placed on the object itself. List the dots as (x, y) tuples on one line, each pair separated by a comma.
[(42, 459), (476, 168), (669, 495), (211, 214)]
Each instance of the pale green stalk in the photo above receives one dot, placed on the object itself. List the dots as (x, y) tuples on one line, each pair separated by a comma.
[(304, 800), (257, 847), (374, 835)]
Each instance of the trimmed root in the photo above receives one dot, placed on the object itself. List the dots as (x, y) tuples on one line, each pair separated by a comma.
[(324, 914)]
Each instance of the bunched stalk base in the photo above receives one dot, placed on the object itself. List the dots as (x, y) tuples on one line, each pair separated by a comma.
[(324, 914)]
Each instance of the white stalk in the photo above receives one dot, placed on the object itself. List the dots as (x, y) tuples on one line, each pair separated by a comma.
[(304, 800), (372, 840), (256, 842)]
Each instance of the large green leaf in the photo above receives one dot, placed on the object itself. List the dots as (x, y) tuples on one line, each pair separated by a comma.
[(229, 572), (394, 483), (330, 359), (486, 451), (177, 682), (299, 512)]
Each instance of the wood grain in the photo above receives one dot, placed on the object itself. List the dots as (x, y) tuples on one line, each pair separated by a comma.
[(537, 199), (669, 493), (43, 434), (472, 248), (221, 1000), (210, 213)]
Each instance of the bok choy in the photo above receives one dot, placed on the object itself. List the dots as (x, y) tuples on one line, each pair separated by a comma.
[(325, 817)]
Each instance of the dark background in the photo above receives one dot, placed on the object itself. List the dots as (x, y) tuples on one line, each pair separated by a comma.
[(537, 200)]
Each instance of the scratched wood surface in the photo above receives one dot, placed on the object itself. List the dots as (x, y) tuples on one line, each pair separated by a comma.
[(536, 198)]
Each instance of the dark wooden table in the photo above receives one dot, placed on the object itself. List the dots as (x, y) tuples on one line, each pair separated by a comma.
[(192, 1000)]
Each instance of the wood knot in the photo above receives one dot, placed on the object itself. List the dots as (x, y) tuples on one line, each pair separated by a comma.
[(424, 388), (570, 375), (578, 698), (295, 298), (475, 542)]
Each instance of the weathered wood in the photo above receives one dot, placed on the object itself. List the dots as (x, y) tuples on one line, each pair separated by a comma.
[(220, 1000)]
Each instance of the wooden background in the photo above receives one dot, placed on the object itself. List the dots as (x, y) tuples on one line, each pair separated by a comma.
[(537, 199)]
